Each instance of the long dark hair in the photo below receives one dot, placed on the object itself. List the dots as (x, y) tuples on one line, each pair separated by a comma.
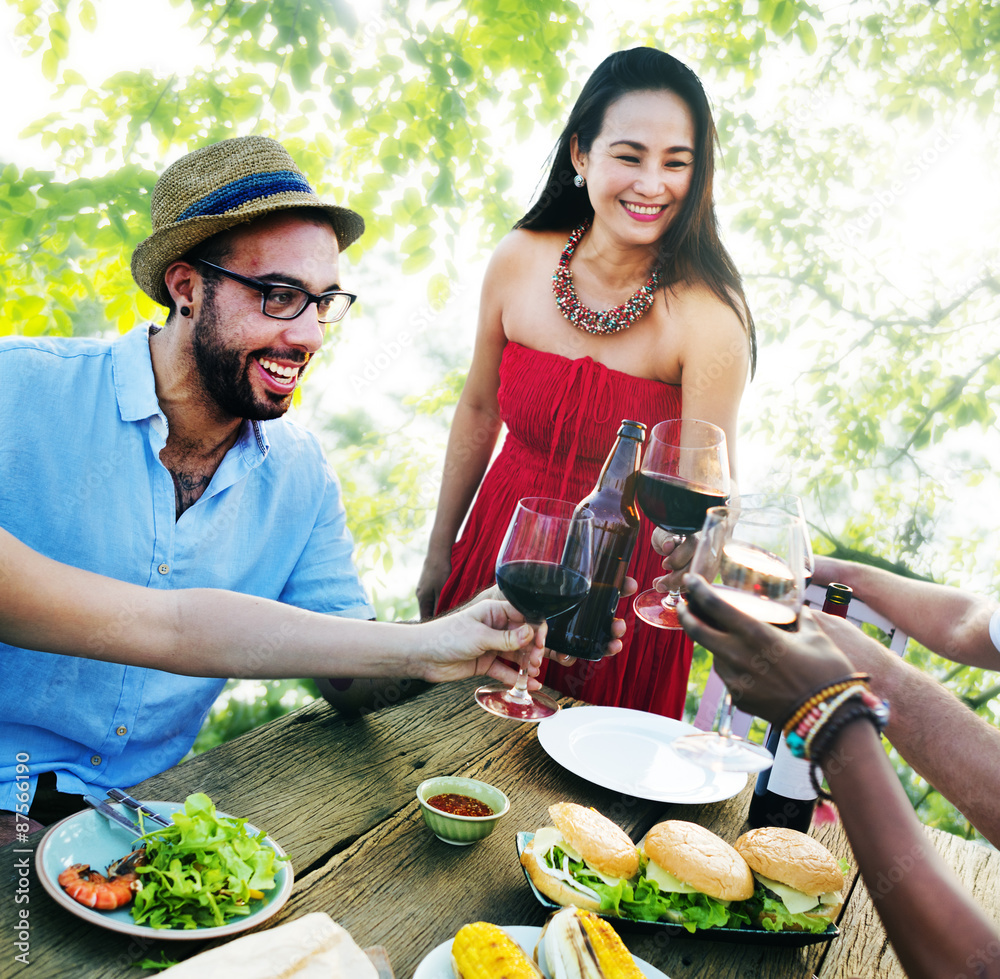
[(691, 249)]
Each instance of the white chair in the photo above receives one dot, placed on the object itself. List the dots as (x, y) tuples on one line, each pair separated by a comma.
[(858, 613)]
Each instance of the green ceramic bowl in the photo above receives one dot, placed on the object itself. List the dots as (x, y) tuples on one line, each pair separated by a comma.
[(461, 830)]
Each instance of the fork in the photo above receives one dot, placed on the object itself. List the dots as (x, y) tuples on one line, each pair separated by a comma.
[(123, 797)]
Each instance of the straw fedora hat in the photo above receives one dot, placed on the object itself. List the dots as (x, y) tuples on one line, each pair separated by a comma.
[(220, 186)]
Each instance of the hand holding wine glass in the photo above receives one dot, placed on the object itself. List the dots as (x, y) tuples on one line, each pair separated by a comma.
[(684, 472), (543, 568), (753, 559)]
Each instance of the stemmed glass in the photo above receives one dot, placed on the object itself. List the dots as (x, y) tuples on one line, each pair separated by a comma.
[(792, 504), (684, 472), (753, 560), (543, 568)]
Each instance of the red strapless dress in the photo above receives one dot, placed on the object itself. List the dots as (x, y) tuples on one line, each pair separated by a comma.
[(562, 417)]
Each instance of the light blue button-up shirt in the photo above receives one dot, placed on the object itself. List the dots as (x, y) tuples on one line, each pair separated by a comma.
[(81, 481)]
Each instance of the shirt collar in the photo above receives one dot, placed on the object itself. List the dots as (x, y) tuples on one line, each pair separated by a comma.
[(132, 368)]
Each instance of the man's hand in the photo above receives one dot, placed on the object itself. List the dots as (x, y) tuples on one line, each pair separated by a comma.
[(827, 569), (469, 642), (629, 587), (866, 654)]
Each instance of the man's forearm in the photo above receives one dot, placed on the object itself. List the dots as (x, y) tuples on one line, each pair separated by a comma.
[(945, 742), (931, 920), (948, 621)]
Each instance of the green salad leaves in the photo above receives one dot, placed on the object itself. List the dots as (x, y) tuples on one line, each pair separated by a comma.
[(203, 871), (642, 900)]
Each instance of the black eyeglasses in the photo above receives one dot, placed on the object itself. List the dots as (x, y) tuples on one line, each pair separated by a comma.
[(283, 302)]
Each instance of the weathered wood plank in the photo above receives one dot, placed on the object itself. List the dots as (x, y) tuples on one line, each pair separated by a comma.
[(341, 796), (976, 866)]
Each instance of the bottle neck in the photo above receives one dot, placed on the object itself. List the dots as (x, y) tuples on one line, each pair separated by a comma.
[(838, 598), (620, 468)]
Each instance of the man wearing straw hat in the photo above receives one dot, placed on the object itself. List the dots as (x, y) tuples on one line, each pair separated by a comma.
[(160, 458)]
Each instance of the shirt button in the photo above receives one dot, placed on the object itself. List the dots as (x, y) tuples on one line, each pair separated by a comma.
[(95, 760), (122, 730), (164, 569)]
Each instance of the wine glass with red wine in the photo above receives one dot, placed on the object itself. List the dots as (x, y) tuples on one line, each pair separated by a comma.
[(543, 568), (753, 558), (684, 472)]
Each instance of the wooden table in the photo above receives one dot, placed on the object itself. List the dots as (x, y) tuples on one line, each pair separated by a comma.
[(339, 796)]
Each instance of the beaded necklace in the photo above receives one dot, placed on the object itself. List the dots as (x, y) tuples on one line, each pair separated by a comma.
[(584, 318)]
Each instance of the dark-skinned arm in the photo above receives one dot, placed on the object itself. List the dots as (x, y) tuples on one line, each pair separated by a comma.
[(935, 926)]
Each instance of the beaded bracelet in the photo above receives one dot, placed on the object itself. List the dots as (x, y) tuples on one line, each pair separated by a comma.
[(817, 696), (800, 737), (878, 716), (825, 712)]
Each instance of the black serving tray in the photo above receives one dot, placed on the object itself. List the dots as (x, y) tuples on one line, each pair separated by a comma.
[(741, 936)]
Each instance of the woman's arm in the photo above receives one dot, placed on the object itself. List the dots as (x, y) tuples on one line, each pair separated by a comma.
[(55, 608), (715, 362), (474, 432)]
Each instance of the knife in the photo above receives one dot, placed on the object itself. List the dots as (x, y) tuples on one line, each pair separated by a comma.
[(112, 814)]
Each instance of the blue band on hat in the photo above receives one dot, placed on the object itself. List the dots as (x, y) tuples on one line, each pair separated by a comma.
[(257, 185)]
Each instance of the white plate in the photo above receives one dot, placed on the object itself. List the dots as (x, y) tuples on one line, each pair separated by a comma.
[(437, 963), (629, 751), (88, 837)]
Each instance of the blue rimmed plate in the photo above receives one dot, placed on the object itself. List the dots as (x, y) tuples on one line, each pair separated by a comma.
[(88, 837)]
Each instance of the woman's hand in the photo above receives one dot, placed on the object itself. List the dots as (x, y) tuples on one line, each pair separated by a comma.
[(676, 558), (768, 671), (434, 574)]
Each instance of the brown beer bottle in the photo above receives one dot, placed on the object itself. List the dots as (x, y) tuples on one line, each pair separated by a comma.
[(585, 631)]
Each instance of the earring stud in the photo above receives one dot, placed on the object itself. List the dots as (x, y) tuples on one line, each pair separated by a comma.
[(579, 180)]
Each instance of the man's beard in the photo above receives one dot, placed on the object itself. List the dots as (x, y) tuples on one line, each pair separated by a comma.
[(225, 371)]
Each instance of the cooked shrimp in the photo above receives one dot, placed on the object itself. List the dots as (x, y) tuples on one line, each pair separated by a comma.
[(97, 891)]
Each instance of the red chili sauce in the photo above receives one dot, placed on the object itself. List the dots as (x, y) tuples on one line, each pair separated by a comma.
[(459, 805)]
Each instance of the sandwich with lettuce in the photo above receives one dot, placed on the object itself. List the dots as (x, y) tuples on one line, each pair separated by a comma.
[(799, 881)]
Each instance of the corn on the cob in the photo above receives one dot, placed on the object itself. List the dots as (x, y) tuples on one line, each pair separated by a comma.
[(580, 945), (613, 957), (484, 951)]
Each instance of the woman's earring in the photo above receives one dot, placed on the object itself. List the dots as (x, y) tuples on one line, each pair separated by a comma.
[(185, 311), (579, 180)]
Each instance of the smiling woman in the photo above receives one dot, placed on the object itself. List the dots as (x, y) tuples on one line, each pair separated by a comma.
[(643, 318)]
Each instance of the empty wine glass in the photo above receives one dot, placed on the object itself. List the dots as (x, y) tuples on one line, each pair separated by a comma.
[(792, 504), (543, 568), (684, 472), (753, 560)]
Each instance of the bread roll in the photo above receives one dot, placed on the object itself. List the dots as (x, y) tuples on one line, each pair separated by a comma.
[(697, 856)]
